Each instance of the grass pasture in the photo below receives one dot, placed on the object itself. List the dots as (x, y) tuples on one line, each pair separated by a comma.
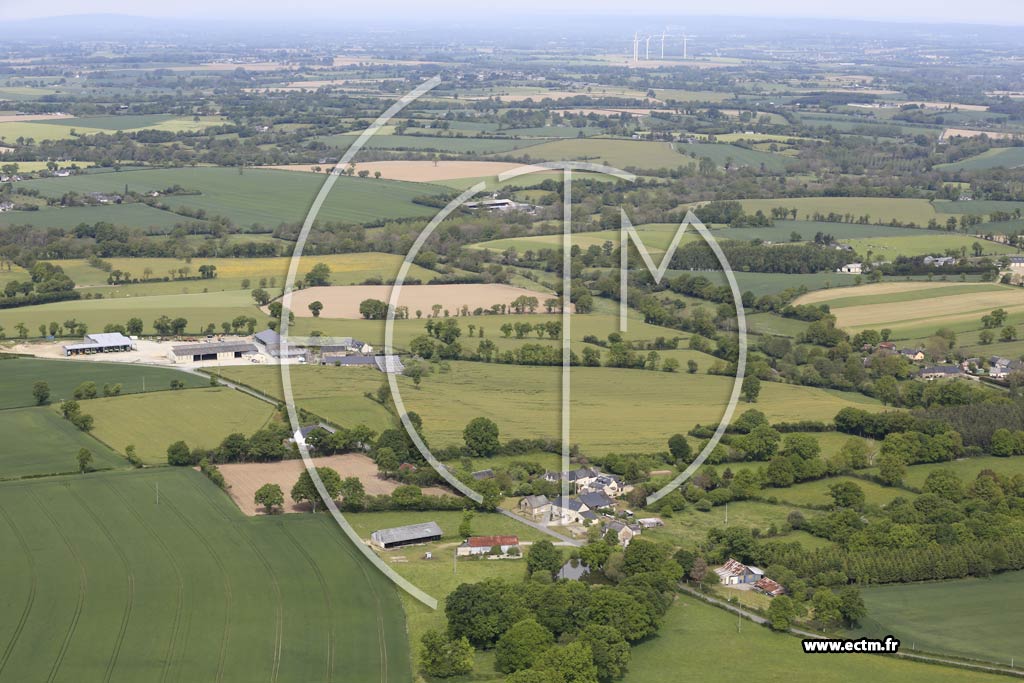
[(103, 583), (650, 154), (63, 376), (972, 618), (37, 441), (817, 492), (997, 157), (67, 218), (924, 243), (918, 211), (152, 422), (699, 637), (524, 401), (913, 309), (257, 196), (198, 309)]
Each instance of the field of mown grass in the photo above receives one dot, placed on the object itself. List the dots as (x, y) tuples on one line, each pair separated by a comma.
[(67, 218), (102, 582), (650, 154), (198, 309), (997, 157), (924, 243), (346, 269), (648, 407), (972, 618), (437, 143), (257, 196), (697, 637), (153, 421), (60, 129), (63, 376), (918, 211), (817, 492), (38, 441), (965, 468)]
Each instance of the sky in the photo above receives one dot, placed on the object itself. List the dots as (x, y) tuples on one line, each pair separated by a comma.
[(927, 11)]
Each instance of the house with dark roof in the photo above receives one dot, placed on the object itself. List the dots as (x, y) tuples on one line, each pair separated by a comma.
[(596, 500), (608, 484), (940, 372), (623, 531), (537, 507), (566, 510)]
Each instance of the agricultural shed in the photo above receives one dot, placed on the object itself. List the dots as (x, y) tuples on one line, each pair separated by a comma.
[(103, 342), (482, 545), (411, 534), (210, 351)]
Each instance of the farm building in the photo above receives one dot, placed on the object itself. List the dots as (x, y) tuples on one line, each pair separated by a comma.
[(769, 587), (269, 342), (104, 342), (480, 475), (1017, 264), (915, 355), (852, 268), (210, 351), (733, 573), (607, 484), (535, 506), (482, 545), (412, 534), (940, 372), (596, 501), (623, 531), (570, 511)]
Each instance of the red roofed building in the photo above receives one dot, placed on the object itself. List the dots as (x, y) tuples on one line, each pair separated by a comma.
[(769, 587), (482, 545)]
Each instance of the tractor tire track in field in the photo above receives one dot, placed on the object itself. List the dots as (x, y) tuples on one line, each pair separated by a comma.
[(83, 585), (227, 586), (129, 603), (279, 606), (27, 554), (382, 642), (327, 599), (176, 623)]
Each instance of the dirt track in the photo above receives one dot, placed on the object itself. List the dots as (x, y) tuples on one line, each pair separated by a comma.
[(245, 478)]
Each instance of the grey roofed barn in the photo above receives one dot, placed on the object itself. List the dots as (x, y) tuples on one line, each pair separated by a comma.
[(207, 348), (406, 535)]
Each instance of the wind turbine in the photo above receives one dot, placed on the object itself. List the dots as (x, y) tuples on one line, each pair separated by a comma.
[(685, 38), (636, 47), (663, 34), (647, 47)]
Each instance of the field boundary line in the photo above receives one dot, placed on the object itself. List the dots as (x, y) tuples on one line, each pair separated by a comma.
[(83, 585), (226, 579), (126, 616), (177, 573), (31, 595), (327, 597), (279, 607)]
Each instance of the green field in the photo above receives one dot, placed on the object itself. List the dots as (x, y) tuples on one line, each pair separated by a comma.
[(61, 129), (997, 157), (817, 492), (424, 143), (346, 269), (966, 468), (152, 422), (104, 583), (524, 401), (924, 243), (198, 309), (67, 218), (972, 618), (700, 638), (38, 441), (63, 376), (645, 154), (918, 211), (691, 528), (257, 196)]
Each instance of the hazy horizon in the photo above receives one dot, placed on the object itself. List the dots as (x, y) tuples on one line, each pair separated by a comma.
[(922, 11)]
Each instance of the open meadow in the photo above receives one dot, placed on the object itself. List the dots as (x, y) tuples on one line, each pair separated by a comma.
[(256, 197), (64, 376), (38, 441), (971, 618), (107, 581), (699, 637), (152, 422)]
